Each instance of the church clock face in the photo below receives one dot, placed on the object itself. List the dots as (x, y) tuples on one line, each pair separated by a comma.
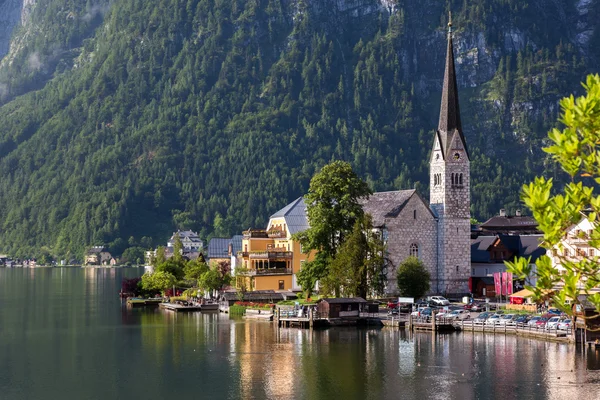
[(457, 156)]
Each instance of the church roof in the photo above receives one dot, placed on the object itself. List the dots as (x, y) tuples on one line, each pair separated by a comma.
[(382, 205), (450, 125)]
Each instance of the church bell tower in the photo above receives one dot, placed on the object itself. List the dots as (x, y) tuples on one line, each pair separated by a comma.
[(449, 193)]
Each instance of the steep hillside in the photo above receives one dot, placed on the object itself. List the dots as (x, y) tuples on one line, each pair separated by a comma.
[(212, 114)]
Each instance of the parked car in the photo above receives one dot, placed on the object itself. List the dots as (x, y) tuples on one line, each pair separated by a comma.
[(460, 315), (565, 324), (422, 312), (533, 321), (554, 311), (482, 317), (507, 319), (477, 307), (541, 323), (439, 301), (493, 319), (553, 323), (522, 319)]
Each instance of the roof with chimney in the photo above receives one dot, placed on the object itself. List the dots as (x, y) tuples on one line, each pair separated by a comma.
[(520, 245), (450, 126)]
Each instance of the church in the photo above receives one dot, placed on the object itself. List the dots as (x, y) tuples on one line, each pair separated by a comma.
[(438, 233)]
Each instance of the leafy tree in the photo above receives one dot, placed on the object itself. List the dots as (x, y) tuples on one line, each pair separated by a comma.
[(413, 278), (133, 255), (333, 207), (173, 267), (177, 249), (576, 149), (160, 256), (158, 281), (357, 268), (214, 279), (194, 269)]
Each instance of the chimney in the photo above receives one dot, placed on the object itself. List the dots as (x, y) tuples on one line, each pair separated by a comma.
[(230, 249), (502, 212), (518, 213)]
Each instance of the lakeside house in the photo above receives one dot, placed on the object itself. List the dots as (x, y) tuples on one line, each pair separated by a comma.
[(270, 259), (98, 255), (225, 250), (191, 246), (331, 308)]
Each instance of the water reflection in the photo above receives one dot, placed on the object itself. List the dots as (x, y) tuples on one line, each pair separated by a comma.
[(65, 334)]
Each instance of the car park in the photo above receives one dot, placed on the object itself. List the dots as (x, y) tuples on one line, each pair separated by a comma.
[(522, 319)]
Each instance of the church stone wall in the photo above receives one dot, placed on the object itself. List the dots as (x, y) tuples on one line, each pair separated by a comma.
[(405, 230)]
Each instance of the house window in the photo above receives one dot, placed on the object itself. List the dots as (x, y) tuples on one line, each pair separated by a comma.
[(281, 285), (591, 252), (566, 252), (414, 250)]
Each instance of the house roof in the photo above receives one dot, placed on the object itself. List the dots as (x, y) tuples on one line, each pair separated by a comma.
[(382, 205), (520, 245), (344, 300), (510, 223), (236, 242), (97, 250), (294, 215), (218, 248), (479, 248)]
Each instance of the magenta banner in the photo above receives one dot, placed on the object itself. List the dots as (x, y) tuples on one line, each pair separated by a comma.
[(497, 283), (504, 283), (509, 284)]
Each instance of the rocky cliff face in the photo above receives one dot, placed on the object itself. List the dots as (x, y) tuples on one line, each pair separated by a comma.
[(11, 13)]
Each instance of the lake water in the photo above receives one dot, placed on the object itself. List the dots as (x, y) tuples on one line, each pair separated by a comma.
[(65, 335)]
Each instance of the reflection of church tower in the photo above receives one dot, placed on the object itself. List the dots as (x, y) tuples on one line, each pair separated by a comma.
[(450, 193)]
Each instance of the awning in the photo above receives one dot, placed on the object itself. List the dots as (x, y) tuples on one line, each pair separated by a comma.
[(528, 293)]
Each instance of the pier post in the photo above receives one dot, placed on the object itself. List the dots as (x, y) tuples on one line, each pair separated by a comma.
[(310, 317), (410, 322), (433, 326)]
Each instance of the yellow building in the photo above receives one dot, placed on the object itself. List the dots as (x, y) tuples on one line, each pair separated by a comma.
[(270, 258)]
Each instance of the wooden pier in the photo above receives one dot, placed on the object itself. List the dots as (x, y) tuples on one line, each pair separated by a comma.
[(555, 335), (139, 302), (190, 308)]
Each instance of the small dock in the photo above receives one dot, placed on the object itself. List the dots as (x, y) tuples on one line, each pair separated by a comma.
[(139, 302), (555, 335), (189, 307)]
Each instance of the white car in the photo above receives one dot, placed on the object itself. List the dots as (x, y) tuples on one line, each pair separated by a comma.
[(439, 301), (493, 320), (565, 324), (507, 319), (458, 315), (553, 323)]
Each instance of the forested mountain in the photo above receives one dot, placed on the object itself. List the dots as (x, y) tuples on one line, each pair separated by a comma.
[(127, 118)]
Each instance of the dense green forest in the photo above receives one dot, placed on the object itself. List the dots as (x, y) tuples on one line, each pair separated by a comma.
[(127, 118)]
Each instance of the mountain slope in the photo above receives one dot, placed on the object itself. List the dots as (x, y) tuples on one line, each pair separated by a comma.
[(211, 114)]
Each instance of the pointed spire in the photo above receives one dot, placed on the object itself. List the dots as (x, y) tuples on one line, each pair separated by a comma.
[(449, 111), (450, 123)]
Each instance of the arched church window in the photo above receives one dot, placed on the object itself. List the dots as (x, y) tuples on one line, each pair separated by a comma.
[(415, 214), (460, 179), (452, 178), (414, 250)]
